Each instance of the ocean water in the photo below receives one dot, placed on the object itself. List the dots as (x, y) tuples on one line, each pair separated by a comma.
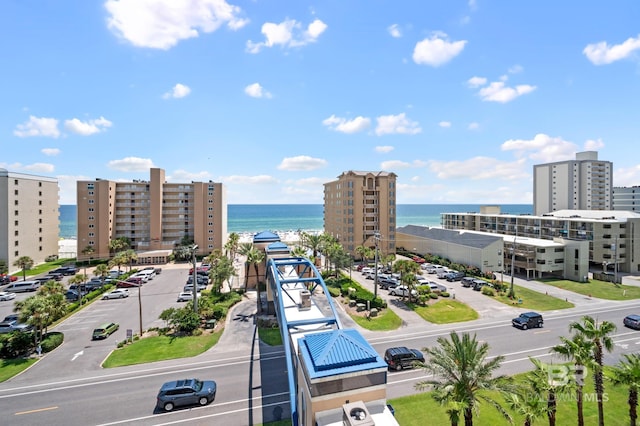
[(252, 218)]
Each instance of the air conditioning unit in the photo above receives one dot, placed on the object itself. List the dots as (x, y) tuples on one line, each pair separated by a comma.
[(356, 414), (305, 300)]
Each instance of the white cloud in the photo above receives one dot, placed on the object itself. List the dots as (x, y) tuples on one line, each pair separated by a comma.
[(86, 128), (39, 168), (399, 164), (474, 82), (301, 163), (383, 149), (38, 126), (542, 148), (394, 30), (473, 126), (161, 24), (497, 91), (593, 145), (624, 176), (282, 34), (343, 125), (396, 124), (437, 50), (249, 180), (445, 124), (50, 152), (480, 168), (516, 69), (178, 91), (186, 176), (602, 53), (131, 164), (68, 188), (255, 90)]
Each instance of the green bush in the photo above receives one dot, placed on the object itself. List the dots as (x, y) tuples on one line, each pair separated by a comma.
[(51, 341), (444, 294), (15, 344), (423, 289), (335, 292), (422, 299), (433, 295), (488, 291)]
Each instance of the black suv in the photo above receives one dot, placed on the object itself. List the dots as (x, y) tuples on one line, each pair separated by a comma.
[(454, 276), (402, 357), (186, 392), (528, 320)]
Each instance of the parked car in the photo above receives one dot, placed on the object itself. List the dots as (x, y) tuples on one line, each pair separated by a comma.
[(632, 321), (467, 281), (118, 293), (105, 330), (7, 279), (4, 296), (389, 283), (402, 290), (11, 326), (454, 276), (436, 288), (186, 392), (442, 273), (11, 317), (22, 286), (189, 288), (185, 296), (72, 295), (401, 357), (528, 320), (478, 284)]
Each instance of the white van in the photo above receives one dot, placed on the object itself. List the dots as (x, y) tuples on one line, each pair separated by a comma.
[(22, 286), (146, 274)]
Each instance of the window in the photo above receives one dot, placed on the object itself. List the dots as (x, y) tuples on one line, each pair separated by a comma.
[(211, 231), (91, 243), (40, 193), (90, 192), (90, 209), (39, 202), (210, 216), (40, 248), (210, 201), (40, 220), (15, 202), (15, 234), (16, 253), (15, 192), (91, 218), (15, 182), (91, 234), (91, 225), (210, 238), (90, 201), (16, 243), (210, 224), (15, 213), (15, 223)]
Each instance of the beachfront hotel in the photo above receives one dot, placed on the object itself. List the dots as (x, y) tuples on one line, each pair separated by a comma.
[(29, 218), (153, 214), (581, 184), (360, 210)]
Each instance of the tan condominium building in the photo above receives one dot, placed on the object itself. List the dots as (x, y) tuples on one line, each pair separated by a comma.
[(581, 184), (360, 210), (153, 214), (29, 217)]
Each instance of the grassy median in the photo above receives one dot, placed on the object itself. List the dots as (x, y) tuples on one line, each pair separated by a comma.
[(598, 289), (445, 311), (384, 321), (11, 367), (533, 300)]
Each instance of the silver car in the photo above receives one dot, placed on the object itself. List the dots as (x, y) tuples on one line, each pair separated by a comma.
[(119, 293), (7, 296)]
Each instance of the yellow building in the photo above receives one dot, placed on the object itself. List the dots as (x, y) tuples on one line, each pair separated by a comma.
[(154, 215), (360, 208)]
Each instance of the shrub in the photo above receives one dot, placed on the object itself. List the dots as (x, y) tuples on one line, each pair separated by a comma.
[(444, 294), (433, 295), (335, 292), (422, 299), (488, 291), (423, 289), (15, 344), (51, 341)]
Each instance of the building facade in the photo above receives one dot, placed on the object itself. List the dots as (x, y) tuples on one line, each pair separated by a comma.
[(581, 184), (610, 238), (29, 217), (153, 214), (360, 210), (626, 198)]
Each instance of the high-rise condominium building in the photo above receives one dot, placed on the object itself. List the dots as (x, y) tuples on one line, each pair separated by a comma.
[(360, 210), (581, 184), (154, 215), (29, 217), (626, 198)]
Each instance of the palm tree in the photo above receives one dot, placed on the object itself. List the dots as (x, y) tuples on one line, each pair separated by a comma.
[(578, 350), (88, 251), (255, 258), (118, 244), (35, 311), (24, 263), (527, 404), (118, 260), (101, 271), (463, 374), (231, 245), (314, 242), (407, 270), (244, 250), (540, 381), (599, 334), (78, 279), (364, 253), (627, 373), (221, 270)]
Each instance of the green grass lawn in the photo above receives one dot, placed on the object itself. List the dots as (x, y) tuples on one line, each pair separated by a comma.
[(45, 267), (11, 367), (534, 300), (445, 311), (270, 336), (158, 348), (386, 320), (411, 410), (599, 289)]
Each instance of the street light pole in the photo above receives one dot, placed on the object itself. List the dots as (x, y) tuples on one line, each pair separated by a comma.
[(195, 281), (376, 237), (513, 260), (139, 300)]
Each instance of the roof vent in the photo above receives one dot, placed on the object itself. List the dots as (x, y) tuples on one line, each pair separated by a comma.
[(305, 300), (356, 414)]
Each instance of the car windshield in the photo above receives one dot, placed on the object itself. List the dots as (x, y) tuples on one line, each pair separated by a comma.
[(197, 385)]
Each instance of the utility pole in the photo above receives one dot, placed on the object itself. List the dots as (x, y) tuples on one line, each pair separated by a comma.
[(513, 260), (376, 237), (194, 280), (615, 261)]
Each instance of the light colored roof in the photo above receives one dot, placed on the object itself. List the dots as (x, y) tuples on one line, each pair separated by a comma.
[(464, 238), (265, 237)]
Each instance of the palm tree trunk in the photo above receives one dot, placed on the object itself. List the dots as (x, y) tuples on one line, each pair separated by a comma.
[(552, 407), (468, 416), (633, 403), (580, 405), (246, 275), (258, 288), (599, 383)]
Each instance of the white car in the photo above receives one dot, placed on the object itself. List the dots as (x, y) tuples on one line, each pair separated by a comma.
[(119, 293), (185, 296), (402, 290), (4, 295)]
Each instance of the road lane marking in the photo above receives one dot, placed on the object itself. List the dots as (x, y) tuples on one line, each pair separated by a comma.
[(76, 355), (38, 410), (542, 331)]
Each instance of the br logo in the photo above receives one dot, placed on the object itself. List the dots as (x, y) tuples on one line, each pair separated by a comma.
[(563, 374)]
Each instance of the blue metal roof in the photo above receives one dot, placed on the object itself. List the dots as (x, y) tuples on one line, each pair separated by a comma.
[(277, 246), (338, 352), (265, 237)]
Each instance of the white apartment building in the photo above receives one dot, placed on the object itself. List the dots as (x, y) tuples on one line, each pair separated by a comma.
[(581, 184), (626, 198), (360, 209), (153, 214), (29, 217)]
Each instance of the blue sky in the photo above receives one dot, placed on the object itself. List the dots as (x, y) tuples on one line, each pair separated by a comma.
[(274, 98)]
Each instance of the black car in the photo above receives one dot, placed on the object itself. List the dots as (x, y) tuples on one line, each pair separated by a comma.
[(632, 321), (528, 320), (388, 283), (402, 357), (186, 392), (454, 276)]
